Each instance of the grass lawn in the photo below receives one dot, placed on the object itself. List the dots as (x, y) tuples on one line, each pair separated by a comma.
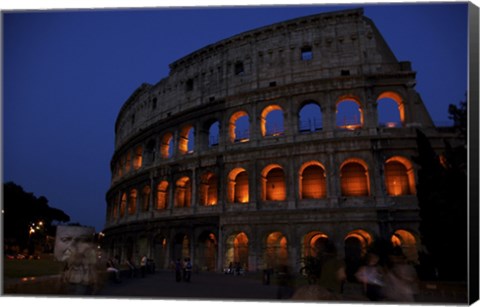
[(18, 268)]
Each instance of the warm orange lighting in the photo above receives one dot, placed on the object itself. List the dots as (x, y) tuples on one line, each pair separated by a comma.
[(354, 179), (312, 181), (183, 192), (390, 125), (397, 178), (274, 183), (162, 195), (137, 160)]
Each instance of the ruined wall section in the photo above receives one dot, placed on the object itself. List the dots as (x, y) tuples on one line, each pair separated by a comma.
[(337, 45)]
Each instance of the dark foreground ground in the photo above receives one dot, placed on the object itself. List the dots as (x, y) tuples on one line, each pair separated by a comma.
[(216, 286)]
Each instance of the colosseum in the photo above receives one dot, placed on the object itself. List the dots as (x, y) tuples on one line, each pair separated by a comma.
[(259, 148)]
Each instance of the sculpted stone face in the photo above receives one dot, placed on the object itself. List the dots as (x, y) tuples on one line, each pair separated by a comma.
[(66, 239)]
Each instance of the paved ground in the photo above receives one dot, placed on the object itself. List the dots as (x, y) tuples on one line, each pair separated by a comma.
[(202, 286), (216, 286)]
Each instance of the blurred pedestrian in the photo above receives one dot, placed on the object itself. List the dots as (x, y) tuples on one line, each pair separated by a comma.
[(178, 270), (371, 277), (285, 283), (333, 274), (400, 279), (143, 265), (187, 269)]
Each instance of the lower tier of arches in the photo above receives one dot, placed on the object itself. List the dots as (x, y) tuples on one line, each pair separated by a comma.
[(257, 242)]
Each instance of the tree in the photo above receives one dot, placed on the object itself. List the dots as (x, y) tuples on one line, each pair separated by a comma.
[(22, 211), (459, 116), (442, 196)]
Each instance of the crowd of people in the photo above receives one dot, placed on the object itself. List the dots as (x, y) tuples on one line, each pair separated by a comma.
[(382, 276)]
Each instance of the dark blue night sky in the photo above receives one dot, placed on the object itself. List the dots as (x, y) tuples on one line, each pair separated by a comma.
[(67, 74)]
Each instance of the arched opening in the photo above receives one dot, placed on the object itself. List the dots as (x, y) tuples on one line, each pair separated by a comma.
[(239, 127), (236, 250), (181, 246), (160, 251), (166, 146), (356, 245), (406, 240), (399, 177), (132, 202), (186, 142), (209, 189), (129, 249), (183, 193), (271, 121), (349, 114), (128, 162), (312, 181), (354, 179), (390, 110), (150, 152), (276, 250), (274, 186), (146, 198), (115, 210), (314, 243), (213, 134), (138, 158), (162, 195), (206, 256), (238, 186), (123, 205), (310, 118)]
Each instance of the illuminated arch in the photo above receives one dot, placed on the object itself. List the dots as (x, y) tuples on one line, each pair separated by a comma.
[(273, 183), (162, 195), (310, 117), (268, 126), (128, 162), (206, 251), (349, 113), (186, 142), (399, 176), (238, 189), (183, 193), (314, 243), (407, 241), (166, 145), (398, 100), (208, 189), (312, 182), (123, 204), (276, 250), (236, 131), (132, 202), (138, 158), (236, 249), (354, 178)]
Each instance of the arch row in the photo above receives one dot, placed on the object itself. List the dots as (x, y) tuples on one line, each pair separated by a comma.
[(247, 249), (275, 119), (314, 182)]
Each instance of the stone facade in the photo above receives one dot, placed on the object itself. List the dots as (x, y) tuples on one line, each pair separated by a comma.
[(203, 169)]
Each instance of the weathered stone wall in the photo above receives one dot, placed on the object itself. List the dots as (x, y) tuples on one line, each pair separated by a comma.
[(344, 58)]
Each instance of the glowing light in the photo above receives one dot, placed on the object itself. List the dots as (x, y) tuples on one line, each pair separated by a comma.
[(390, 125)]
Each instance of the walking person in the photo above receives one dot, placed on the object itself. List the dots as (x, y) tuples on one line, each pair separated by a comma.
[(178, 270), (371, 276), (143, 265), (187, 270)]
